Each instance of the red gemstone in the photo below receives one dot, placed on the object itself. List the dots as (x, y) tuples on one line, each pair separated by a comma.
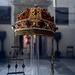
[(16, 66), (23, 65), (8, 66)]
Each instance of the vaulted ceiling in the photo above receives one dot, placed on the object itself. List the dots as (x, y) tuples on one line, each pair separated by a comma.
[(32, 2)]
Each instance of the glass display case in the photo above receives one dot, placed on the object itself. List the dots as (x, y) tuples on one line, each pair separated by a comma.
[(32, 23)]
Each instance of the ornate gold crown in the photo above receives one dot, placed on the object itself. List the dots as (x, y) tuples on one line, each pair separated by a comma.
[(35, 21)]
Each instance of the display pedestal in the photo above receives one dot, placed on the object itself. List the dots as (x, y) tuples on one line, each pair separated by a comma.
[(2, 38), (57, 37), (57, 54)]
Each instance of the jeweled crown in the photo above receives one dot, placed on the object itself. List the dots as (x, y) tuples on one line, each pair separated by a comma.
[(35, 18)]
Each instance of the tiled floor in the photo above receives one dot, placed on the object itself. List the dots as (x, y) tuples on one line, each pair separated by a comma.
[(65, 67), (61, 67)]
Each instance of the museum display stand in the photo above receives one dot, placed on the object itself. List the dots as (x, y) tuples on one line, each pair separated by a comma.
[(14, 58), (34, 21)]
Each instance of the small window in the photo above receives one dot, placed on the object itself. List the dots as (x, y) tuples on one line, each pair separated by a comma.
[(61, 15), (5, 15)]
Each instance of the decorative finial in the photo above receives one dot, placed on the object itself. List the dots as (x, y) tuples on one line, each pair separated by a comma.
[(35, 5)]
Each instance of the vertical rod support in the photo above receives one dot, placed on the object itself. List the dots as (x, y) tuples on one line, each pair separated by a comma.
[(52, 59)]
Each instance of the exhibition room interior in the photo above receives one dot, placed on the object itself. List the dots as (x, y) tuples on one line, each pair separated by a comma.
[(37, 37)]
